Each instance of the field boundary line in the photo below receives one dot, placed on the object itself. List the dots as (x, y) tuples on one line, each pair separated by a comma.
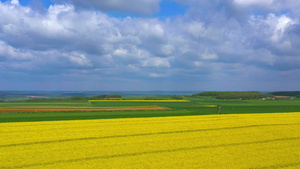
[(63, 107), (83, 109), (163, 101), (279, 166)]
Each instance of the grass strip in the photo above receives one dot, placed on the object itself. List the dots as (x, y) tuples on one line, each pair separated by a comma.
[(62, 107), (164, 101)]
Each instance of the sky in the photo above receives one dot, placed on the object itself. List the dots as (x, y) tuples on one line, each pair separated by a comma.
[(150, 45)]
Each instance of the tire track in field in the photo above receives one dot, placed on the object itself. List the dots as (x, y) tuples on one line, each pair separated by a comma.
[(192, 119), (142, 134), (123, 121), (108, 122), (165, 151), (279, 166)]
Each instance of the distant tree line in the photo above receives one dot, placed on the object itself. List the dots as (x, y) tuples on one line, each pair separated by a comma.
[(286, 93), (234, 95), (101, 97), (75, 98), (155, 98), (177, 97)]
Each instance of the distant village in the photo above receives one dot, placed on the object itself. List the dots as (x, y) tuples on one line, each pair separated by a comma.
[(277, 98)]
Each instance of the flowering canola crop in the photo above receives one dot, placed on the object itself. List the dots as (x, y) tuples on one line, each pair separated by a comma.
[(212, 141)]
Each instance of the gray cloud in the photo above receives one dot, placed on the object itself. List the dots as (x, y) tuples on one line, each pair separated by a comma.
[(213, 40), (146, 7)]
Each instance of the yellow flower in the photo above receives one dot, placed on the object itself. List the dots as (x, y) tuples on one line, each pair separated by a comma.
[(212, 141)]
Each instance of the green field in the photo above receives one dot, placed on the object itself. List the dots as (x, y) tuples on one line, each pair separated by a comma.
[(196, 106), (247, 134), (170, 104), (44, 104)]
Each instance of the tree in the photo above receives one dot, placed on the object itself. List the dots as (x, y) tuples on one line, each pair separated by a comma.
[(114, 96), (99, 97), (78, 98)]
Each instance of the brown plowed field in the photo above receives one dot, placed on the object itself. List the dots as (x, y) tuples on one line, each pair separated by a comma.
[(94, 109)]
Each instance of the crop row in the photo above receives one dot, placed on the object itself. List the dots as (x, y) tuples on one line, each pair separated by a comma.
[(214, 141)]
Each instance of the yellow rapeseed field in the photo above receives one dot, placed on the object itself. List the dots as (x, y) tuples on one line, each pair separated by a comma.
[(212, 141)]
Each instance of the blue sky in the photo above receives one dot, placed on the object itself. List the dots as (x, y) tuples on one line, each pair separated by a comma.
[(142, 45), (167, 8)]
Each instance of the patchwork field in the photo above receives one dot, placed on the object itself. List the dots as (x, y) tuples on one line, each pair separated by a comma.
[(109, 109), (98, 105), (269, 140), (173, 104), (67, 109)]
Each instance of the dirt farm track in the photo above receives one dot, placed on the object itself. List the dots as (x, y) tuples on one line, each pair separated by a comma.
[(80, 109)]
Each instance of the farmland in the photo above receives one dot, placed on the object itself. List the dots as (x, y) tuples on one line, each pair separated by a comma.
[(66, 109), (209, 141), (194, 106), (186, 133)]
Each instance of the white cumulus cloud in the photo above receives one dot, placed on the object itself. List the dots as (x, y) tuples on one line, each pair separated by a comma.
[(157, 75), (212, 39), (156, 62), (79, 59), (253, 2)]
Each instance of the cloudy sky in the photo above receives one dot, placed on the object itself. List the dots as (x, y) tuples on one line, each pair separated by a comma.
[(141, 45)]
